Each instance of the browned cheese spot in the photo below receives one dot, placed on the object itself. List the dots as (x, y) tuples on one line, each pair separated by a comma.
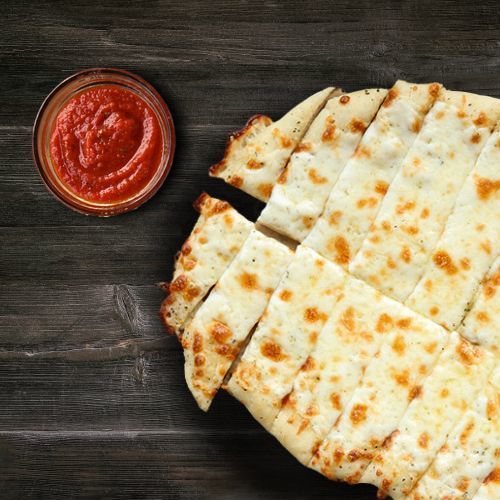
[(265, 189), (423, 440), (465, 434), (329, 132), (384, 323), (315, 178), (285, 295), (404, 323), (344, 99), (179, 284), (490, 285), (285, 142), (405, 255), (411, 230), (416, 125), (203, 240), (390, 263), (491, 409), (463, 485), (481, 119), (334, 217), (465, 263), (381, 187), (220, 332), (308, 364), (225, 350), (335, 400), (362, 151), (188, 264), (409, 205), (199, 360), (482, 317), (197, 342), (444, 393), (236, 181), (254, 164), (288, 400), (312, 410), (444, 262), (303, 425), (402, 378), (430, 347), (341, 249), (434, 89), (434, 310), (391, 96), (303, 146), (367, 202), (485, 247), (248, 281), (468, 353), (493, 476), (358, 413), (357, 126), (475, 138), (425, 213), (283, 176), (414, 392), (272, 351), (386, 225), (486, 187), (308, 222), (382, 492), (347, 319), (399, 345), (311, 315)]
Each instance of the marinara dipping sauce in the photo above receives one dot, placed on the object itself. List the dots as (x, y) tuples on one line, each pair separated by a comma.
[(105, 144)]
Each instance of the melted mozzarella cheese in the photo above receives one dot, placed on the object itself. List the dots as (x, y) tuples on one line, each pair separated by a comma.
[(357, 326), (468, 455), (422, 195), (253, 161), (302, 189), (216, 238), (214, 337), (452, 387), (481, 323), (355, 199), (468, 245), (392, 379), (286, 334)]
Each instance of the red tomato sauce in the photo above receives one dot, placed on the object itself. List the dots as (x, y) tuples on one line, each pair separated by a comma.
[(107, 144)]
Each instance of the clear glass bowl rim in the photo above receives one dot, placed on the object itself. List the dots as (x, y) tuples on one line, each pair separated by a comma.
[(80, 80)]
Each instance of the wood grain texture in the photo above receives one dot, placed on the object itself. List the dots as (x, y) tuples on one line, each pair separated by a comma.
[(92, 398)]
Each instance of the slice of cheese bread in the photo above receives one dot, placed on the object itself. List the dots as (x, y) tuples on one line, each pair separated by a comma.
[(255, 156), (420, 199), (286, 335), (303, 187), (355, 199), (215, 239)]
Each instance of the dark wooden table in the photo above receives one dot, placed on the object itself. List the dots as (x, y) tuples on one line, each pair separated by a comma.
[(92, 397)]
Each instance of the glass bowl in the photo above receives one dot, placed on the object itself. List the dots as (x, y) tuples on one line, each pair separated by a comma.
[(44, 124)]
